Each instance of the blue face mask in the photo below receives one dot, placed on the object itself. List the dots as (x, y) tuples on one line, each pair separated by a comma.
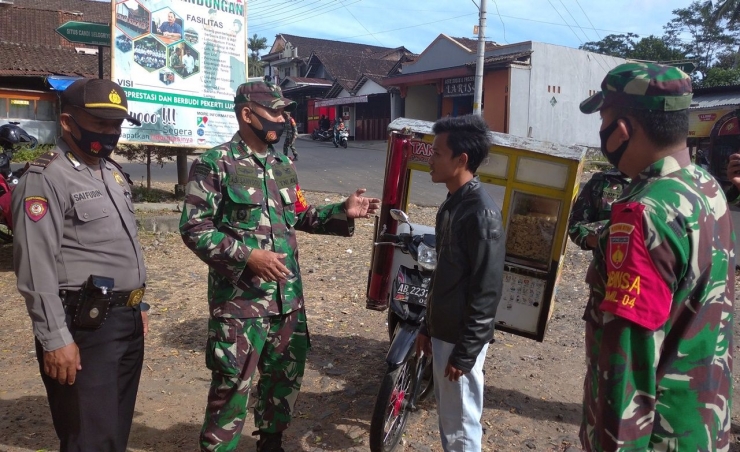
[(615, 156), (95, 144)]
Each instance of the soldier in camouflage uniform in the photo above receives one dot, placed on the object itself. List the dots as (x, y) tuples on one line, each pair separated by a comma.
[(593, 207), (241, 212), (291, 132), (659, 319)]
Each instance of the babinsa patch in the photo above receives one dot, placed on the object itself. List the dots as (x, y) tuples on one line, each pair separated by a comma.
[(82, 196)]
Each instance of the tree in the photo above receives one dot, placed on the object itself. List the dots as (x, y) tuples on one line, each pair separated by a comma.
[(256, 45), (651, 48), (718, 76), (708, 37), (145, 154), (726, 9), (614, 45)]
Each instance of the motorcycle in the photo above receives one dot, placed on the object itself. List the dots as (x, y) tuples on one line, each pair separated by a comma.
[(408, 378), (343, 137), (322, 135), (11, 137)]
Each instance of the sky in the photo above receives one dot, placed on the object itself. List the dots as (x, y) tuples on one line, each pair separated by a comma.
[(414, 24)]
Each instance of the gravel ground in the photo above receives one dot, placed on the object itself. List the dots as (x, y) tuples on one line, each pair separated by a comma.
[(533, 390)]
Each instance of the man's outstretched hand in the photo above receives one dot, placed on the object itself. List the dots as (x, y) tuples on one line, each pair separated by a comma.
[(358, 206)]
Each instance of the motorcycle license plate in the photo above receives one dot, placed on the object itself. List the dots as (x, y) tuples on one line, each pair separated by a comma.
[(412, 294), (410, 286)]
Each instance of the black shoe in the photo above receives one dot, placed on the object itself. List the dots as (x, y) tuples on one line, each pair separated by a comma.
[(269, 442), (295, 157)]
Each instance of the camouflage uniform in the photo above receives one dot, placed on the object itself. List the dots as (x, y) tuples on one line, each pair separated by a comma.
[(237, 201), (594, 205), (291, 131), (659, 320)]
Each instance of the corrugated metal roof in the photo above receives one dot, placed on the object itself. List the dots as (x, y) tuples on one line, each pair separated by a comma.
[(715, 100)]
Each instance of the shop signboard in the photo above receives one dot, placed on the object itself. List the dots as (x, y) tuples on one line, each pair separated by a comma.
[(459, 86)]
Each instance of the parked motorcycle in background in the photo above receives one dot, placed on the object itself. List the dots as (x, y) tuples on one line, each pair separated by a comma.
[(12, 138), (408, 378), (322, 135)]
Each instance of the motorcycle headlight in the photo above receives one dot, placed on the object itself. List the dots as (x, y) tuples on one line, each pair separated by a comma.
[(427, 257)]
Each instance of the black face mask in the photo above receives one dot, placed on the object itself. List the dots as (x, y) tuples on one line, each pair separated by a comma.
[(95, 144), (615, 156), (271, 130)]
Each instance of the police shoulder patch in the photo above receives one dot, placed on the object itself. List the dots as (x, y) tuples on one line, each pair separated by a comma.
[(36, 207), (45, 160)]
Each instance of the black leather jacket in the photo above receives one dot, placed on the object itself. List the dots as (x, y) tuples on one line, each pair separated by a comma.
[(466, 286)]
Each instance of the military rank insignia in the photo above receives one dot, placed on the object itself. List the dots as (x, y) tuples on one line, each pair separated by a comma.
[(36, 207)]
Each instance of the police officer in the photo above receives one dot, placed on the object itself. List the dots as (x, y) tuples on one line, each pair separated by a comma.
[(242, 208), (659, 319), (79, 266), (593, 206)]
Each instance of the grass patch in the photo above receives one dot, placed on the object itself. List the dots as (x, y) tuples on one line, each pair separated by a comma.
[(29, 155), (142, 194)]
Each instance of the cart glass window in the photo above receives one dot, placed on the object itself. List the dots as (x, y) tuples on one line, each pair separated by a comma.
[(531, 230), (540, 172)]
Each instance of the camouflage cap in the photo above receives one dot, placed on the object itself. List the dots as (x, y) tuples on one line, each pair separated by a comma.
[(644, 86), (266, 94)]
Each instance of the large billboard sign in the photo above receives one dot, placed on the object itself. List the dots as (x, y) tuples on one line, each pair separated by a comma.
[(180, 62)]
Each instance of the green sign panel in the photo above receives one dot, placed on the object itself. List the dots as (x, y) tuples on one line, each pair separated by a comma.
[(85, 33)]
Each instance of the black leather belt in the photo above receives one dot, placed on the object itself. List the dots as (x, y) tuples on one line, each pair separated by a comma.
[(132, 298)]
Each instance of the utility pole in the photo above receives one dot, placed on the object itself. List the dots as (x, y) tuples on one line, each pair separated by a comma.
[(478, 95)]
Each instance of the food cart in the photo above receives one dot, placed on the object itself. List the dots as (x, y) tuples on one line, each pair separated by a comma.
[(540, 181)]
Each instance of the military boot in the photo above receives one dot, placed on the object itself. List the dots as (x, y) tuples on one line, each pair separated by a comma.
[(269, 442)]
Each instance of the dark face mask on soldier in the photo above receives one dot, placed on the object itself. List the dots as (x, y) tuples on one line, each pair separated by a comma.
[(95, 144), (616, 155), (271, 130)]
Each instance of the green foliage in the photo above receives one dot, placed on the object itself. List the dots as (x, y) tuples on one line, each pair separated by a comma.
[(651, 48), (140, 193), (255, 45), (29, 155), (709, 37), (717, 76)]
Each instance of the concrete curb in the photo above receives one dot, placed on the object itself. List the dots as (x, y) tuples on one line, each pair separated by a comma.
[(160, 223)]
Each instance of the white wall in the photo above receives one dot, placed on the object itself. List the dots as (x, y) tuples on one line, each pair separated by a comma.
[(370, 87), (421, 102), (575, 72), (396, 105), (519, 100)]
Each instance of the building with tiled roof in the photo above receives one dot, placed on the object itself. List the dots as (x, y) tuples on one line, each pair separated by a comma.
[(33, 55), (342, 64)]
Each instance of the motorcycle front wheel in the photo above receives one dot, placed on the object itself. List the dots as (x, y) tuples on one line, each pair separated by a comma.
[(344, 144), (392, 407)]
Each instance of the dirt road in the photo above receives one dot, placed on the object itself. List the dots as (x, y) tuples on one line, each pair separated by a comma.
[(533, 390)]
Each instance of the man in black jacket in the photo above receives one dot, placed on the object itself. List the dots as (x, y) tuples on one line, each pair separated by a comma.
[(466, 286)]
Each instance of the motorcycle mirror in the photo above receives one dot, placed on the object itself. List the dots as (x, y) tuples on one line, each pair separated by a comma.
[(399, 215)]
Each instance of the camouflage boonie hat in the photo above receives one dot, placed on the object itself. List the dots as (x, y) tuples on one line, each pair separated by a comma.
[(644, 86), (266, 94)]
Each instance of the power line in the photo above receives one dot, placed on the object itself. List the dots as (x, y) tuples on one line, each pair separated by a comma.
[(353, 16), (413, 26), (267, 25), (287, 7), (593, 27), (574, 19), (501, 19)]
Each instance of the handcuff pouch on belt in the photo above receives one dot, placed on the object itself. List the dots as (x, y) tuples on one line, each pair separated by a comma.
[(94, 302)]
